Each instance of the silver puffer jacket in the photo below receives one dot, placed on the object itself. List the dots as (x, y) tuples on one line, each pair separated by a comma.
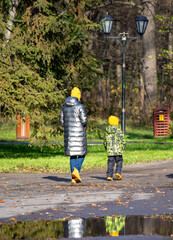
[(74, 120)]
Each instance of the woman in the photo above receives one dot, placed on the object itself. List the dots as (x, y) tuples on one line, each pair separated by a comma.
[(74, 120)]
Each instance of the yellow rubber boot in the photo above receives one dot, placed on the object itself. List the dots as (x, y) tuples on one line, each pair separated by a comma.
[(73, 180), (118, 176), (109, 179), (76, 176)]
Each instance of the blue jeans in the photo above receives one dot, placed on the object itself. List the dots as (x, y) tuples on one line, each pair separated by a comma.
[(76, 161)]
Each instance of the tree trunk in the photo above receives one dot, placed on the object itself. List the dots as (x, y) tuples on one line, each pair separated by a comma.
[(12, 14), (103, 96), (162, 87), (149, 64), (170, 49), (119, 64), (142, 91)]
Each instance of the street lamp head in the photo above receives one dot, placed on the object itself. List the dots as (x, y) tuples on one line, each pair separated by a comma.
[(141, 24), (107, 21)]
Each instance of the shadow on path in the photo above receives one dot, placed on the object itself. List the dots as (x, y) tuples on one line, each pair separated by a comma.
[(57, 179), (170, 175), (101, 178)]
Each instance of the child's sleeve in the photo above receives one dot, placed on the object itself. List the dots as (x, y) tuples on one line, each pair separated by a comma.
[(123, 140), (105, 142)]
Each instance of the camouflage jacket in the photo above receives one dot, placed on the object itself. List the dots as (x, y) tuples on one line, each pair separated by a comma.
[(114, 140), (114, 224)]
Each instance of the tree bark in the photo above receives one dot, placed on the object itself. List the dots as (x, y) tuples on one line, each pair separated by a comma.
[(170, 49), (162, 87), (142, 91), (119, 64), (12, 14), (149, 63)]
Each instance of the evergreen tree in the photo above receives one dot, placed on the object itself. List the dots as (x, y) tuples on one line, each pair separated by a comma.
[(44, 58)]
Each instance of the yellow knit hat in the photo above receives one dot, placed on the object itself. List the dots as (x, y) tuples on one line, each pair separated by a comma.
[(113, 120), (75, 92)]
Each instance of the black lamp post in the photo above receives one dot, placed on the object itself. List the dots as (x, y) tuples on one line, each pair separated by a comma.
[(141, 24)]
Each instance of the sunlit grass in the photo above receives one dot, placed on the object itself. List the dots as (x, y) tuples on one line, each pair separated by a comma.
[(21, 158), (7, 131), (141, 147), (133, 133)]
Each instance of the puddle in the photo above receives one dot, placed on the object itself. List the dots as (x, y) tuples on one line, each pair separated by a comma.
[(90, 227)]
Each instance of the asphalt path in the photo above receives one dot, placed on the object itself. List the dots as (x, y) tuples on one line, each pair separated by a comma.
[(146, 189)]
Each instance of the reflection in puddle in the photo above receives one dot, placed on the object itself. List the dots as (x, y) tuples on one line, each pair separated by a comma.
[(78, 228)]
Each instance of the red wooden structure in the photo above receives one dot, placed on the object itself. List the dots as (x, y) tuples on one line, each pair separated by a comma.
[(161, 122), (23, 127)]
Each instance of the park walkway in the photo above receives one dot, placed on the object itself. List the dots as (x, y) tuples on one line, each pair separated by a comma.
[(145, 189)]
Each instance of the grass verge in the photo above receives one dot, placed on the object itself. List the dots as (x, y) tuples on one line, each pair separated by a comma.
[(22, 158)]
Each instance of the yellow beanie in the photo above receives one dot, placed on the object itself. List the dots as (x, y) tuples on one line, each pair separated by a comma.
[(113, 120), (75, 92)]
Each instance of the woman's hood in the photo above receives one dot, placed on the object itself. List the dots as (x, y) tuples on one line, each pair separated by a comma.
[(71, 101)]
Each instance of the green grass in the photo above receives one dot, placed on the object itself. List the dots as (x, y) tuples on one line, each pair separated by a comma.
[(22, 158), (7, 131), (133, 133), (144, 134), (141, 147)]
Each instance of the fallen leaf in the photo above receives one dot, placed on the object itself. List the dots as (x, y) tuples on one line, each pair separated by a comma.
[(158, 191)]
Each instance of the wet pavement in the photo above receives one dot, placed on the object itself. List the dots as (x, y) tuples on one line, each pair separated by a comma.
[(90, 227), (146, 189)]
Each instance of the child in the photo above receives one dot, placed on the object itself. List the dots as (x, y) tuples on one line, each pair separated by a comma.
[(114, 143)]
